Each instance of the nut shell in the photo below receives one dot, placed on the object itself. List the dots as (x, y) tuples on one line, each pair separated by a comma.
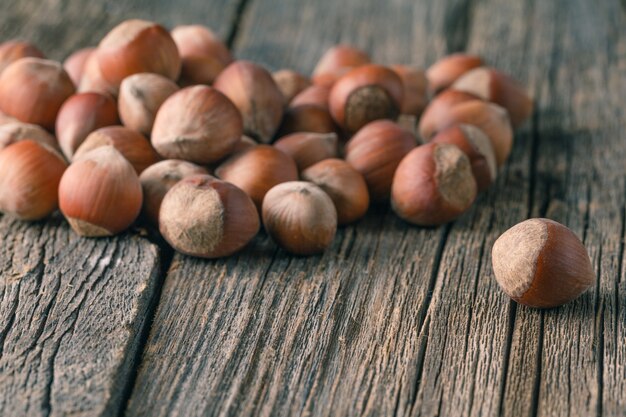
[(443, 73), (290, 83), (415, 86), (337, 61), (307, 148), (306, 118), (315, 94), (17, 131), (11, 51), (541, 263), (205, 217), (75, 64)]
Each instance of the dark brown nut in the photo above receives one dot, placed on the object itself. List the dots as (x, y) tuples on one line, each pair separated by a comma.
[(443, 73), (306, 118), (337, 61)]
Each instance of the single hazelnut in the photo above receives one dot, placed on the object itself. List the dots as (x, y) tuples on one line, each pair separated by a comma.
[(495, 86), (443, 73), (202, 53), (158, 179), (131, 144), (80, 115), (300, 217), (11, 51), (433, 185), (140, 97), (306, 118), (258, 169), (415, 86), (375, 151), (253, 91), (30, 173), (344, 185), (74, 64), (492, 119), (478, 148), (337, 61), (315, 94), (290, 83), (308, 148), (32, 90), (136, 46), (438, 108), (541, 263), (11, 133), (203, 216), (92, 79), (197, 124), (100, 193), (365, 94)]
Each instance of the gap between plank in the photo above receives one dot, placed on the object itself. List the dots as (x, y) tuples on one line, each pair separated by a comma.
[(231, 39)]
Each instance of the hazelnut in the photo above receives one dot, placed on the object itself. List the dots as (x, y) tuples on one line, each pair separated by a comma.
[(136, 46), (245, 143), (140, 97), (29, 179), (439, 108), (300, 217), (100, 193), (158, 179), (197, 124), (315, 94), (306, 118), (415, 85), (203, 216), (131, 144), (202, 53), (32, 90), (290, 83), (337, 61), (11, 51), (541, 263), (74, 64), (344, 185), (17, 131), (364, 94), (443, 73), (433, 185), (309, 148), (80, 115), (253, 91), (493, 85), (478, 148), (258, 169), (92, 79), (375, 151)]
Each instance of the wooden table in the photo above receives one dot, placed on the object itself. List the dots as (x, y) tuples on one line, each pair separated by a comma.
[(392, 319)]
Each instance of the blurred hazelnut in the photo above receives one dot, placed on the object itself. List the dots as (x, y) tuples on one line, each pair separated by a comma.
[(443, 73), (92, 79), (74, 64), (11, 51), (306, 118), (290, 83), (17, 131), (315, 94), (439, 108), (337, 61), (308, 148), (415, 85)]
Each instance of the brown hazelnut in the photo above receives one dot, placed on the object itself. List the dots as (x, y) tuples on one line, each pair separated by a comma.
[(375, 151), (478, 148), (92, 79), (415, 85), (32, 90), (541, 263), (258, 169), (308, 148), (17, 131), (197, 124), (203, 216), (131, 144), (365, 94), (140, 97), (315, 94), (29, 179), (443, 73), (202, 53), (74, 64), (11, 51), (493, 85), (158, 179), (439, 108), (290, 83), (300, 217), (136, 46), (100, 193), (80, 115), (337, 61), (306, 118), (433, 185), (253, 91), (344, 185)]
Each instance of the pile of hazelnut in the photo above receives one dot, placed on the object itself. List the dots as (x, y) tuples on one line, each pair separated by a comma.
[(168, 127)]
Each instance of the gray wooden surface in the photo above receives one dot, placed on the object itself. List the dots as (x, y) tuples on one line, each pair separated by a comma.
[(393, 319)]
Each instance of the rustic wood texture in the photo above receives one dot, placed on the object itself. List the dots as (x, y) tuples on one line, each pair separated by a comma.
[(393, 319)]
